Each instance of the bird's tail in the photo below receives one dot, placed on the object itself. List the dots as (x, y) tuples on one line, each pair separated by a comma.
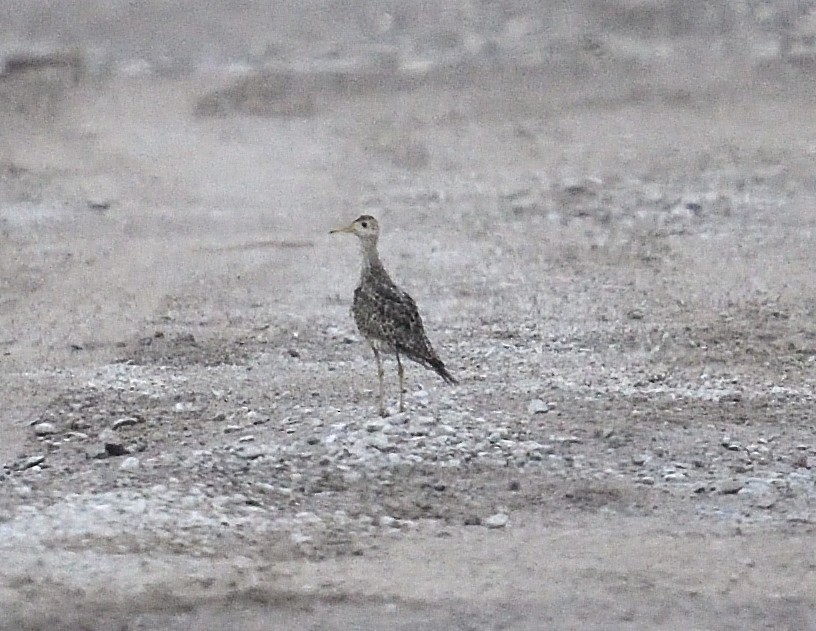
[(440, 369)]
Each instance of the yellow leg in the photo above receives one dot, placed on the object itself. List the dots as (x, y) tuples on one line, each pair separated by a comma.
[(401, 374), (380, 373)]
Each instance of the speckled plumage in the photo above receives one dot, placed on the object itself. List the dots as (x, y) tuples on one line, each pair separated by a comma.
[(387, 316)]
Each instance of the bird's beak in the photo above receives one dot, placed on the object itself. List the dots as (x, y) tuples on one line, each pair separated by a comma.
[(349, 228)]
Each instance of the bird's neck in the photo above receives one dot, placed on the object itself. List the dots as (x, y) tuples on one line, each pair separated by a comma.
[(371, 258)]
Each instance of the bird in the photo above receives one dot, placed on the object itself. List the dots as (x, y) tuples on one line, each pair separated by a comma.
[(386, 316)]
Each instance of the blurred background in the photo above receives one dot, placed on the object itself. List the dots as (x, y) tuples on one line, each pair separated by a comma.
[(207, 121), (417, 36)]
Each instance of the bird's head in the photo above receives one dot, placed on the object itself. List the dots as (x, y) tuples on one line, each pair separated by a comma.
[(365, 227)]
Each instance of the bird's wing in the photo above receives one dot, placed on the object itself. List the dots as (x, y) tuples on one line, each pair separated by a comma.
[(400, 318), (388, 313)]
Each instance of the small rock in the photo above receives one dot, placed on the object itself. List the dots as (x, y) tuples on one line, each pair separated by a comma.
[(378, 441), (131, 463), (802, 518), (252, 453), (127, 421), (755, 487), (499, 520), (115, 449), (98, 203), (113, 443), (729, 487), (33, 461), (730, 445), (300, 539), (388, 522), (800, 479), (80, 424), (44, 429), (537, 406), (308, 517), (569, 440), (765, 501), (377, 425)]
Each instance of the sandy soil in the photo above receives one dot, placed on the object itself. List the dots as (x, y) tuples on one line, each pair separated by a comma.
[(621, 276)]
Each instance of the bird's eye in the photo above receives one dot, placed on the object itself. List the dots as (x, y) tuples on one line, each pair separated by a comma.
[(364, 224)]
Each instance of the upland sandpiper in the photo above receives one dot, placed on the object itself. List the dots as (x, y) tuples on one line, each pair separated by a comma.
[(386, 316)]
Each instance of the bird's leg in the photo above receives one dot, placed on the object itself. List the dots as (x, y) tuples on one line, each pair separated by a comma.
[(401, 374), (380, 373)]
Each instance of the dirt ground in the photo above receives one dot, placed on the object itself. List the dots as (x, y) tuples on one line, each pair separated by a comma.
[(619, 269)]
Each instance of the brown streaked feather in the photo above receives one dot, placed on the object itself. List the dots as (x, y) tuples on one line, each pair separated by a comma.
[(384, 312)]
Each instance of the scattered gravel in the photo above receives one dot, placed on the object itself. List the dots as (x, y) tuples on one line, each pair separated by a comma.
[(290, 469), (606, 364)]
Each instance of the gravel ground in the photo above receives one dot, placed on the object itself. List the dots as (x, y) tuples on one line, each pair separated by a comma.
[(622, 281)]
